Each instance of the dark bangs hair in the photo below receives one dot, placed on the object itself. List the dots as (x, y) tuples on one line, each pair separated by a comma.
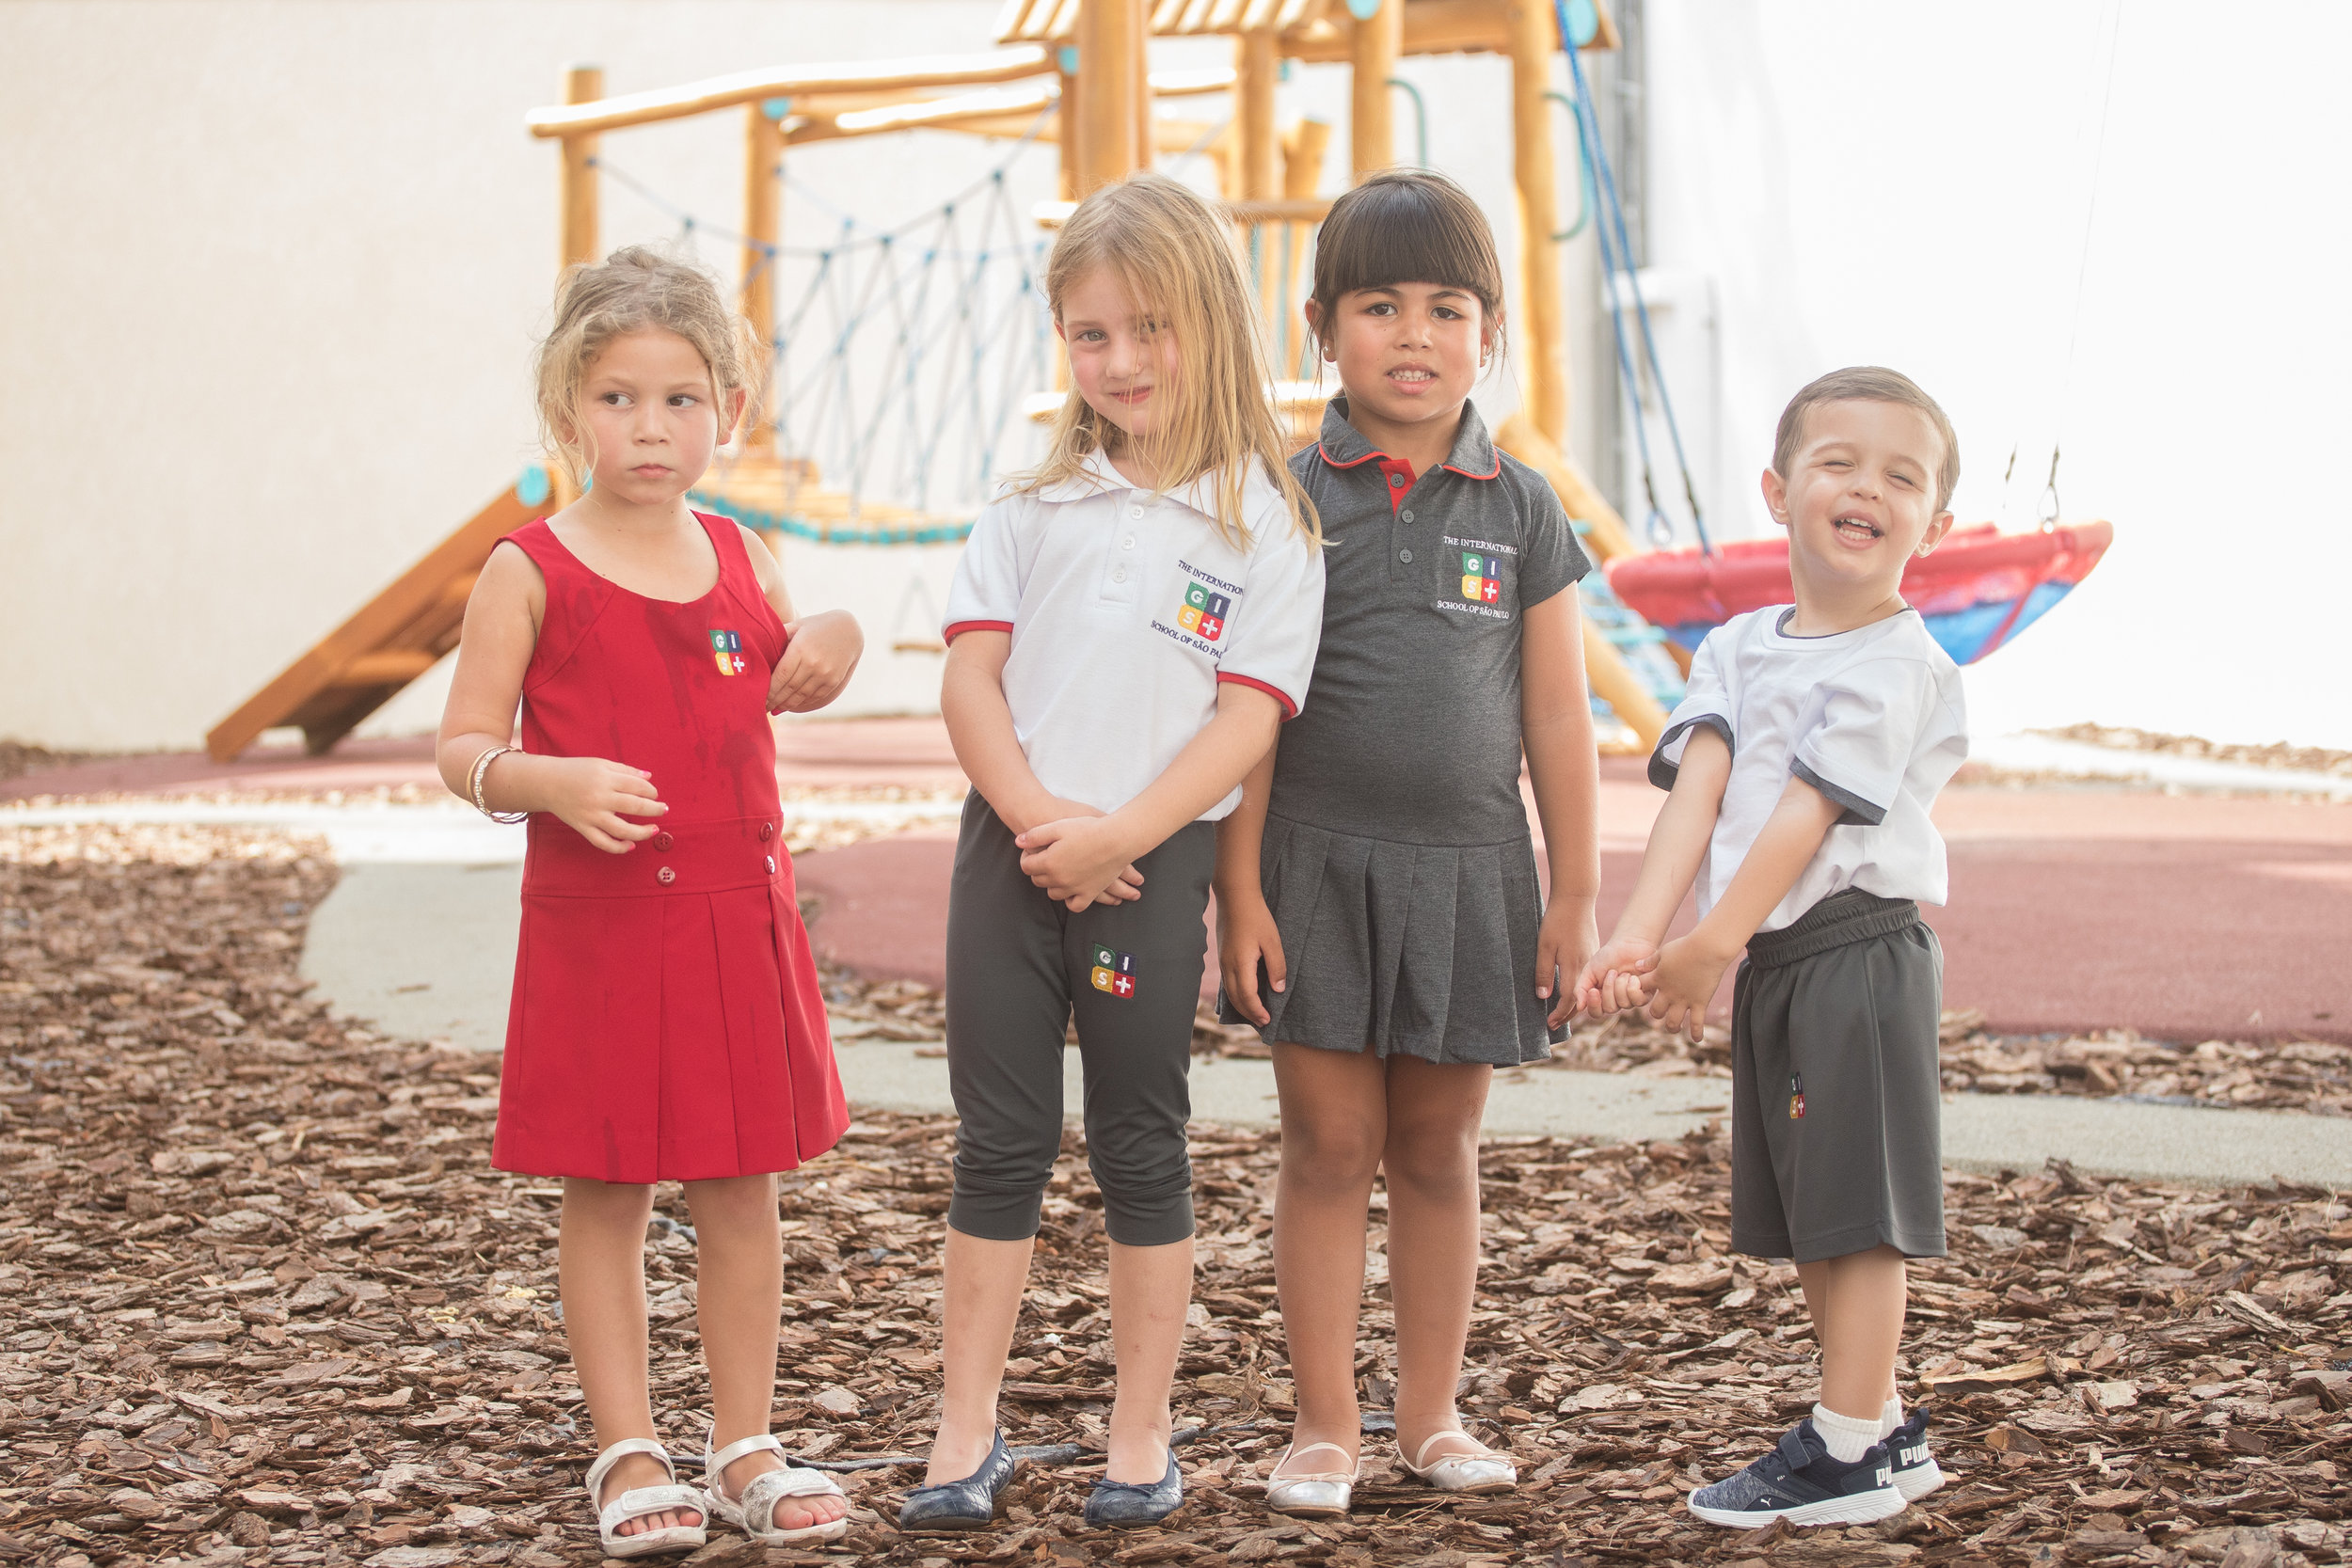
[(1406, 225)]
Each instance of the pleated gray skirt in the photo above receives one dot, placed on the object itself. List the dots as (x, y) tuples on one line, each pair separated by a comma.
[(1423, 949)]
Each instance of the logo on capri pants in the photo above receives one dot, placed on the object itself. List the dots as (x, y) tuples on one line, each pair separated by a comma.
[(1114, 971)]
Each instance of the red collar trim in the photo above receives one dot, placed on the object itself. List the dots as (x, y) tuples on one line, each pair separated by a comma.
[(1490, 473), (1353, 462), (1325, 452)]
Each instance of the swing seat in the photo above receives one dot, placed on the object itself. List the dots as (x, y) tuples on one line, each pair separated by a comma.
[(1977, 590)]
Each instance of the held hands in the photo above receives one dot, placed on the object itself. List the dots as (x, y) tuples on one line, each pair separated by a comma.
[(1080, 860), (1616, 977), (820, 654), (1247, 936), (1563, 948), (1683, 983), (592, 795)]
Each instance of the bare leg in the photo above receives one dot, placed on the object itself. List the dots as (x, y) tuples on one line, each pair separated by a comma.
[(738, 1300), (1856, 1304), (1151, 1287), (980, 1303), (601, 1248), (1335, 1118), (1431, 1163)]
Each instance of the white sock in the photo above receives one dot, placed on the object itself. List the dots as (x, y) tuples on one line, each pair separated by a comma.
[(1849, 1436), (1890, 1416)]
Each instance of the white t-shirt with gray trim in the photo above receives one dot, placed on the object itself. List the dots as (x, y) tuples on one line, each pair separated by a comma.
[(1873, 718), (1127, 613)]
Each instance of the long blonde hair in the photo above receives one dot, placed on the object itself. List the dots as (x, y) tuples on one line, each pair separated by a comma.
[(634, 288), (1176, 259)]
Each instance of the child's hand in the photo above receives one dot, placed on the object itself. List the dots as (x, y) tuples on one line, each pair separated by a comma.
[(818, 661), (1126, 888), (1080, 861), (591, 795), (1684, 983), (1245, 937), (1563, 947), (1615, 977)]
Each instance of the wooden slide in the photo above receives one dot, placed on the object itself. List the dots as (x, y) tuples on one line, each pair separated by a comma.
[(393, 639)]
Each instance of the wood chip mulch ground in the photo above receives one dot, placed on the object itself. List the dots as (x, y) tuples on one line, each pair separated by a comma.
[(262, 1301)]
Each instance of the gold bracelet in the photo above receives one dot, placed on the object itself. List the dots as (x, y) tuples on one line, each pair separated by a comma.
[(481, 766)]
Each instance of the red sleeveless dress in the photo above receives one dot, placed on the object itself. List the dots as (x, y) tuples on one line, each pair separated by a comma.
[(666, 1022)]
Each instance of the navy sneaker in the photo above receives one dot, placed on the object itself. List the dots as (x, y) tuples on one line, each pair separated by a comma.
[(1915, 1472), (1800, 1482)]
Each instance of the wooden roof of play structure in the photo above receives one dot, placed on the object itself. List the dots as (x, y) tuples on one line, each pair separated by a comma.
[(1087, 62)]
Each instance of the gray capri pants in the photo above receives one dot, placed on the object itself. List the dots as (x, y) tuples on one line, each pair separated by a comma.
[(1019, 965), (1836, 1128)]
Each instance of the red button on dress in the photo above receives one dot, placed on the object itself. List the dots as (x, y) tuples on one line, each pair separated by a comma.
[(662, 1028)]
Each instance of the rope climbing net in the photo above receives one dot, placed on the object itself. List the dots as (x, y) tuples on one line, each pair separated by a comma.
[(899, 363)]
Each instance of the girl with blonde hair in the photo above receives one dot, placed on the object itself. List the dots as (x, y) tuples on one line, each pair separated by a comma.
[(1127, 631), (666, 1022)]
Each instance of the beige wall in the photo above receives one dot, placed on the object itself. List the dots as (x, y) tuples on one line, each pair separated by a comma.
[(269, 276)]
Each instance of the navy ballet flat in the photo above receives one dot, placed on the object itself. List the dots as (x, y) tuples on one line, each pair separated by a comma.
[(961, 1505), (1131, 1505)]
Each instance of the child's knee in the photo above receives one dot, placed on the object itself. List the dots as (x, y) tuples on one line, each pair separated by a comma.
[(1001, 1173), (1146, 1181), (1331, 1148)]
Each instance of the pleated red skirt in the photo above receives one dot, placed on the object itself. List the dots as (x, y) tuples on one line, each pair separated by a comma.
[(666, 1021)]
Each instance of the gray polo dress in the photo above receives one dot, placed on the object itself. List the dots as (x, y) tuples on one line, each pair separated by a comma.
[(1397, 858)]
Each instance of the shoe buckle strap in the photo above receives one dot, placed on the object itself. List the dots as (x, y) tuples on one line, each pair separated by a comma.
[(1792, 1450)]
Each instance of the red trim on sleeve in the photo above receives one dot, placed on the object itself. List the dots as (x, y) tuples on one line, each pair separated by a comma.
[(958, 629), (1289, 709)]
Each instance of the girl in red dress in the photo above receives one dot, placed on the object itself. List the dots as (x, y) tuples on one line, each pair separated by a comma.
[(666, 1022)]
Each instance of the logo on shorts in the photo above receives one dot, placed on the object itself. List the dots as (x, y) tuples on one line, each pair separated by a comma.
[(727, 652), (1114, 971), (1796, 1099), (1204, 611), (1482, 578)]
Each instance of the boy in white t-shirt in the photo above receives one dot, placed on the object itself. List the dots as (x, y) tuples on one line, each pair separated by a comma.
[(1803, 762)]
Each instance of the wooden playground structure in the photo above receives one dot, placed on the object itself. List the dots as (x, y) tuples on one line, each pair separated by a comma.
[(1075, 74)]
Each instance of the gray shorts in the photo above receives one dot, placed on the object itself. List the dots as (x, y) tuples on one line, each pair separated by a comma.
[(1837, 1140), (1020, 966)]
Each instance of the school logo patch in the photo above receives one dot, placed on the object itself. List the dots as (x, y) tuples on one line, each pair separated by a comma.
[(727, 652), (1482, 578), (1796, 1099), (1114, 971), (1203, 612)]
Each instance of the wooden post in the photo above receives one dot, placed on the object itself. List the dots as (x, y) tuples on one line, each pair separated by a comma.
[(763, 230), (582, 83), (1302, 172), (1255, 72), (1139, 71), (1375, 46), (1070, 132), (1110, 44), (1541, 328)]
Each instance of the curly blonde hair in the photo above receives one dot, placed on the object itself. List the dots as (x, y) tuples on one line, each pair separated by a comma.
[(630, 291)]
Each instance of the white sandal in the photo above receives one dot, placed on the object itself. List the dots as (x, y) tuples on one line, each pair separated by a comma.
[(1313, 1494), (640, 1501), (754, 1513), (1476, 1474)]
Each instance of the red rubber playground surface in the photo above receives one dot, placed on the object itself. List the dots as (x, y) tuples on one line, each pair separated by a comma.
[(2185, 917)]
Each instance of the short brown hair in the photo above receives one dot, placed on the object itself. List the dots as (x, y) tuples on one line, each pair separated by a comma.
[(634, 288), (1406, 225), (1868, 384)]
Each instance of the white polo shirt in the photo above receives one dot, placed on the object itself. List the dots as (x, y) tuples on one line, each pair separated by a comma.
[(1872, 718), (1126, 613)]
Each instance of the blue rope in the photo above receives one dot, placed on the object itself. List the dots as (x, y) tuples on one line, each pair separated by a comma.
[(824, 533), (1613, 218)]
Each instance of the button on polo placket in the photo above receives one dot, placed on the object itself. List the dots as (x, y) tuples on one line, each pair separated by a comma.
[(1122, 572)]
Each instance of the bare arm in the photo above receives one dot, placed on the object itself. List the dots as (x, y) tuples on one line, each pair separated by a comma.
[(1244, 926), (1677, 843), (501, 629), (1070, 859), (1556, 730), (1690, 967), (820, 651), (979, 726)]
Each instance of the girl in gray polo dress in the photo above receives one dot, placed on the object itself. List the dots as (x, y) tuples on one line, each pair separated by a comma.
[(1381, 918)]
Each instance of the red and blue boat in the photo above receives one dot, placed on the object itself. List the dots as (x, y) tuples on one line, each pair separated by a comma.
[(1976, 590)]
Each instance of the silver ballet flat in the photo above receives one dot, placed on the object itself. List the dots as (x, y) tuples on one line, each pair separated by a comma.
[(1474, 1473), (1319, 1494)]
